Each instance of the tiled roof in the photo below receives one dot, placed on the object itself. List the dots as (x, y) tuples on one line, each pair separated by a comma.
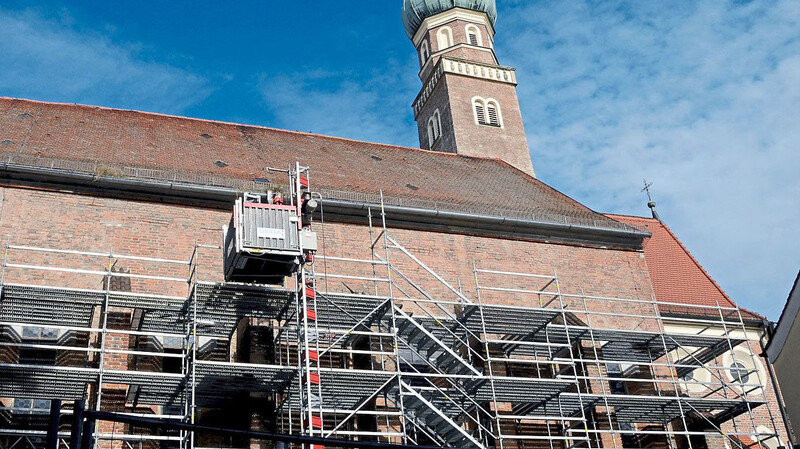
[(676, 275), (121, 138)]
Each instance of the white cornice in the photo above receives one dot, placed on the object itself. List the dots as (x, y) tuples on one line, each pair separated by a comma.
[(448, 16), (464, 68)]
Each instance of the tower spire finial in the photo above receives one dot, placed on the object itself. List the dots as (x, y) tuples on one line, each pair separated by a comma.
[(650, 203)]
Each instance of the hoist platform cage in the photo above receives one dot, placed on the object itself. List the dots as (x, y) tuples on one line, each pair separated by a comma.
[(262, 242)]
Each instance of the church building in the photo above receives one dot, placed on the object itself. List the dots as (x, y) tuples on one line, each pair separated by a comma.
[(242, 277)]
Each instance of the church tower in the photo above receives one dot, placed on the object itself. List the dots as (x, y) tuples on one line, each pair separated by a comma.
[(468, 102)]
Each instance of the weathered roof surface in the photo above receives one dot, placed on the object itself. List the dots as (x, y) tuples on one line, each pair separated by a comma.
[(190, 147), (677, 276)]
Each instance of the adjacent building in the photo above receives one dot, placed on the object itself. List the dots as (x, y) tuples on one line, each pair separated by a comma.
[(786, 337)]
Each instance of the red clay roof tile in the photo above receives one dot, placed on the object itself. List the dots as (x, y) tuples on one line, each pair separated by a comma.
[(676, 275)]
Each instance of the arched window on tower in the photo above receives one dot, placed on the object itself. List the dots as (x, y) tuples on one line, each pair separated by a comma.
[(434, 128), (487, 112), (474, 35), (424, 53), (444, 37)]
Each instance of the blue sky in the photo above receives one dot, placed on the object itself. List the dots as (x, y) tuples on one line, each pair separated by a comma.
[(701, 98)]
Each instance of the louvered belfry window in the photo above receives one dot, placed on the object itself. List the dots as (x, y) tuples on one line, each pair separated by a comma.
[(479, 111), (493, 117), (487, 112), (473, 38)]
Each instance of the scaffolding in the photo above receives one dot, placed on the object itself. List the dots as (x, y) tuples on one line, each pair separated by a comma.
[(381, 348)]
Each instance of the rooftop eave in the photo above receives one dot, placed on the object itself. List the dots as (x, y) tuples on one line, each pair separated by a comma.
[(419, 218)]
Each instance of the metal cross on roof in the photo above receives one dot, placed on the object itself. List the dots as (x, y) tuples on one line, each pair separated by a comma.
[(647, 189), (650, 203)]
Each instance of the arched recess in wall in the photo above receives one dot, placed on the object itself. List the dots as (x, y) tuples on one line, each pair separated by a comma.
[(434, 128), (473, 34), (424, 53), (444, 38)]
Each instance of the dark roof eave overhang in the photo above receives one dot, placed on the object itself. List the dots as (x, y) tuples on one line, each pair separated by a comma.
[(494, 225), (335, 209)]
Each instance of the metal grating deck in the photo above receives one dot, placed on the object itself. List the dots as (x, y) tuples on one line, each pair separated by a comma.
[(45, 382), (221, 381), (221, 306), (48, 305)]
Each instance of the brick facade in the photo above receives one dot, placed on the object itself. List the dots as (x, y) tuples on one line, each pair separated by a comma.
[(70, 221), (453, 98)]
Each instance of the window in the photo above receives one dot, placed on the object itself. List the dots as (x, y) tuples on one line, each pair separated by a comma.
[(444, 37), (38, 356), (480, 113), (616, 386), (173, 342), (39, 333), (25, 406), (424, 53), (474, 35), (491, 111), (739, 372), (487, 112), (434, 128)]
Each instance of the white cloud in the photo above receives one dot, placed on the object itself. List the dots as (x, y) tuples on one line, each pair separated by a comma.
[(372, 107), (48, 60), (701, 98)]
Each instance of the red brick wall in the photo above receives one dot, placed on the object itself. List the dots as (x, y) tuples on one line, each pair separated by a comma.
[(457, 26), (460, 134), (453, 97), (69, 221)]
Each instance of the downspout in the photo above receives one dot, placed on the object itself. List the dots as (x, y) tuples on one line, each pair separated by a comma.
[(768, 332)]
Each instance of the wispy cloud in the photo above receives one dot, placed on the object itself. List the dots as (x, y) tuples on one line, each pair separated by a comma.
[(701, 98), (47, 59), (374, 107)]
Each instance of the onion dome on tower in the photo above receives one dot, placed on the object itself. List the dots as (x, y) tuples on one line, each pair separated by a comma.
[(415, 11)]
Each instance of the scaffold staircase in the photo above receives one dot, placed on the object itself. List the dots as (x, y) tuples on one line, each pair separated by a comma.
[(436, 416), (442, 355)]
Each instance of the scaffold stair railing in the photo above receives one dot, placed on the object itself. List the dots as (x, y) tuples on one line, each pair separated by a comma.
[(426, 343), (437, 420)]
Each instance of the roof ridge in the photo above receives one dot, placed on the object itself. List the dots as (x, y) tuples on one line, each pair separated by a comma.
[(269, 128), (638, 217)]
